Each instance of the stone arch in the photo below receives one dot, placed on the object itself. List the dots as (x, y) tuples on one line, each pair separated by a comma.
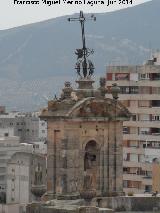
[(85, 142)]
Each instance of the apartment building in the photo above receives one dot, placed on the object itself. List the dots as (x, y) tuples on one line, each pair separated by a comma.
[(27, 126), (9, 145), (140, 93), (22, 174)]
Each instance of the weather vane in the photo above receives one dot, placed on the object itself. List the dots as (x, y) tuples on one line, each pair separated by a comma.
[(82, 54)]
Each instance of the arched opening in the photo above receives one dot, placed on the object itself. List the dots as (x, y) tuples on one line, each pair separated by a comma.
[(90, 158), (91, 161)]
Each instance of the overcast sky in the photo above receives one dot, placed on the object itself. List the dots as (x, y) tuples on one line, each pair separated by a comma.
[(12, 15)]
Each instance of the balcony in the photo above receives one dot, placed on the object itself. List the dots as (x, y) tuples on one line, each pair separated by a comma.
[(147, 181), (133, 189), (133, 150), (143, 124), (144, 110), (144, 137), (144, 166), (133, 177), (132, 164)]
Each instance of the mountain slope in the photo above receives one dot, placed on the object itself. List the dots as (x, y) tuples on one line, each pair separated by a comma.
[(32, 55)]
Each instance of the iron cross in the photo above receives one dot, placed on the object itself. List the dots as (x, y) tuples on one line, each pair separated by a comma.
[(82, 20)]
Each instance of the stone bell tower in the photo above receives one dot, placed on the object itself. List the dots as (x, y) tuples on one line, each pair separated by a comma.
[(84, 134)]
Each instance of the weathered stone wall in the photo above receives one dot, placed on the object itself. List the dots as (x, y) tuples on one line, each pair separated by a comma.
[(66, 151), (130, 203), (118, 204)]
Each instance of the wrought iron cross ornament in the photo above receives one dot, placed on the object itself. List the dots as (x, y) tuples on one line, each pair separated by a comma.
[(82, 54)]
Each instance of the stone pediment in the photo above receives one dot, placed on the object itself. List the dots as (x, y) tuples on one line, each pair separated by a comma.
[(87, 108), (99, 108)]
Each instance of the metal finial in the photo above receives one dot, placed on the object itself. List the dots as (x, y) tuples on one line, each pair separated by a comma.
[(83, 64)]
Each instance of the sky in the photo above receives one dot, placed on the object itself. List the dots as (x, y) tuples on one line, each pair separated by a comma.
[(13, 13)]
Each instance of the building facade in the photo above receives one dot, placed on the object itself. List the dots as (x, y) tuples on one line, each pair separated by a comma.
[(19, 167), (84, 138), (8, 147), (140, 93), (27, 126), (26, 174)]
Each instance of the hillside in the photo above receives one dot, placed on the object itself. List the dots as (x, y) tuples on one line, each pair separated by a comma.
[(35, 59)]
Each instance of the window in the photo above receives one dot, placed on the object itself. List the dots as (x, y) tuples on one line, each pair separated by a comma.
[(134, 117), (155, 117), (144, 76), (125, 170), (36, 146), (148, 188), (129, 90), (125, 130), (155, 76), (144, 117), (144, 131), (148, 174), (124, 90), (155, 131), (155, 103), (133, 90), (6, 134)]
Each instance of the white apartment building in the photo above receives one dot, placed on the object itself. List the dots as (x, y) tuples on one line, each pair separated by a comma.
[(9, 145), (19, 168), (140, 93), (25, 171)]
